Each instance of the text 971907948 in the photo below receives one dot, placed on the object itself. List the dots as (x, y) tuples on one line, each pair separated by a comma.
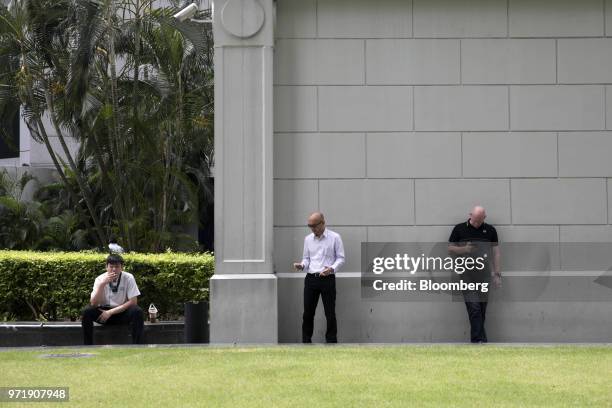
[(50, 394)]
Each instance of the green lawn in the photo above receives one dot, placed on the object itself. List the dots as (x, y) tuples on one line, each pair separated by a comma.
[(320, 376)]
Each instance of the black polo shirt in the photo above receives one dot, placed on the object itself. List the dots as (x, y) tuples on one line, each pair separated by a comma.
[(465, 232), (483, 238)]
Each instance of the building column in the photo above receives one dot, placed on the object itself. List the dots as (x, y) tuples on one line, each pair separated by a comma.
[(244, 286)]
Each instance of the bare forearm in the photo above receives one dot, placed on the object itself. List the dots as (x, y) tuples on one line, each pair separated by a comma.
[(98, 296), (123, 307), (456, 250), (496, 267), (497, 261)]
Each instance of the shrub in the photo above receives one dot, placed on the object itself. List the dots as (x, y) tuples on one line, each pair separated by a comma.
[(57, 285)]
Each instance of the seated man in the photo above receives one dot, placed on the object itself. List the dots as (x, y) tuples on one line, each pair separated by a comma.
[(113, 301)]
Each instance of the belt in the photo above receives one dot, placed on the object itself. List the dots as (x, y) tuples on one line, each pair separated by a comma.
[(318, 275)]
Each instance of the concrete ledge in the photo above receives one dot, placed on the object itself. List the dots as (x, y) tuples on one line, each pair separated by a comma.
[(29, 334)]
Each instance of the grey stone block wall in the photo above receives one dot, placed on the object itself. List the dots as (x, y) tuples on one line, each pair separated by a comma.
[(504, 103), (395, 117), (364, 321), (508, 61)]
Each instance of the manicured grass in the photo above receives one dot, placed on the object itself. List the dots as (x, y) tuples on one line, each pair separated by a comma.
[(320, 376)]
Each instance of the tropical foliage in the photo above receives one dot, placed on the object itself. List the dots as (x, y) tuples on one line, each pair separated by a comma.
[(56, 286), (20, 220), (35, 217), (132, 88)]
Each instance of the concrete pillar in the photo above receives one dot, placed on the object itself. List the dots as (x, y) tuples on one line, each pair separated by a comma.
[(244, 287)]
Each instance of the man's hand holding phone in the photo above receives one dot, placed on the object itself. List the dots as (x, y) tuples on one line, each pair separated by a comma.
[(468, 248), (327, 271)]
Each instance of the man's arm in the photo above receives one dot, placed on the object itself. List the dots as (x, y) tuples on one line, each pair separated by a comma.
[(131, 302), (97, 296), (340, 258), (455, 249), (305, 258), (496, 261), (118, 309), (496, 272)]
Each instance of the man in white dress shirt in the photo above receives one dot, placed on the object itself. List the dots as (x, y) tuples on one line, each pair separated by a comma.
[(323, 256)]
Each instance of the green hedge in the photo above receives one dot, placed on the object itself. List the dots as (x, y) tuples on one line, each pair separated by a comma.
[(57, 285)]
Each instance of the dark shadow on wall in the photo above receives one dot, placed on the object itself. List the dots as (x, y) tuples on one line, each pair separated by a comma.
[(206, 229)]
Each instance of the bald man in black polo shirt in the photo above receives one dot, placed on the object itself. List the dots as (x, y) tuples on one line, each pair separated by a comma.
[(475, 238)]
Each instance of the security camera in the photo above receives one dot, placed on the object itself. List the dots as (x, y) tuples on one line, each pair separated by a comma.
[(187, 13)]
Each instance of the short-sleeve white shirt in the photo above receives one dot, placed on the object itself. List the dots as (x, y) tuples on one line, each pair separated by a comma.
[(127, 289)]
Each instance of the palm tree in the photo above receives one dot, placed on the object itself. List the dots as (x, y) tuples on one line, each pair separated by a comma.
[(134, 89)]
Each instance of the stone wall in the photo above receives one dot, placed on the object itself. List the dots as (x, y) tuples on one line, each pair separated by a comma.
[(395, 117)]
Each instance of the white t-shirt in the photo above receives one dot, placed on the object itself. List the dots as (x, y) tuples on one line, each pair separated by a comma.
[(127, 290)]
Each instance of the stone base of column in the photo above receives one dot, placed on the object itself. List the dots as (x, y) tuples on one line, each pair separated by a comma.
[(243, 308)]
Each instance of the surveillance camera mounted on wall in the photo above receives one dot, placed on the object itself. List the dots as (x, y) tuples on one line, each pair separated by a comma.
[(188, 13)]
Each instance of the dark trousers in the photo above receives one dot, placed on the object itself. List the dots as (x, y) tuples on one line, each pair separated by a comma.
[(476, 306), (313, 287), (132, 315)]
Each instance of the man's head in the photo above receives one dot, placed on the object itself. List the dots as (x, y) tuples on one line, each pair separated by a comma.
[(316, 223), (114, 264), (477, 216)]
